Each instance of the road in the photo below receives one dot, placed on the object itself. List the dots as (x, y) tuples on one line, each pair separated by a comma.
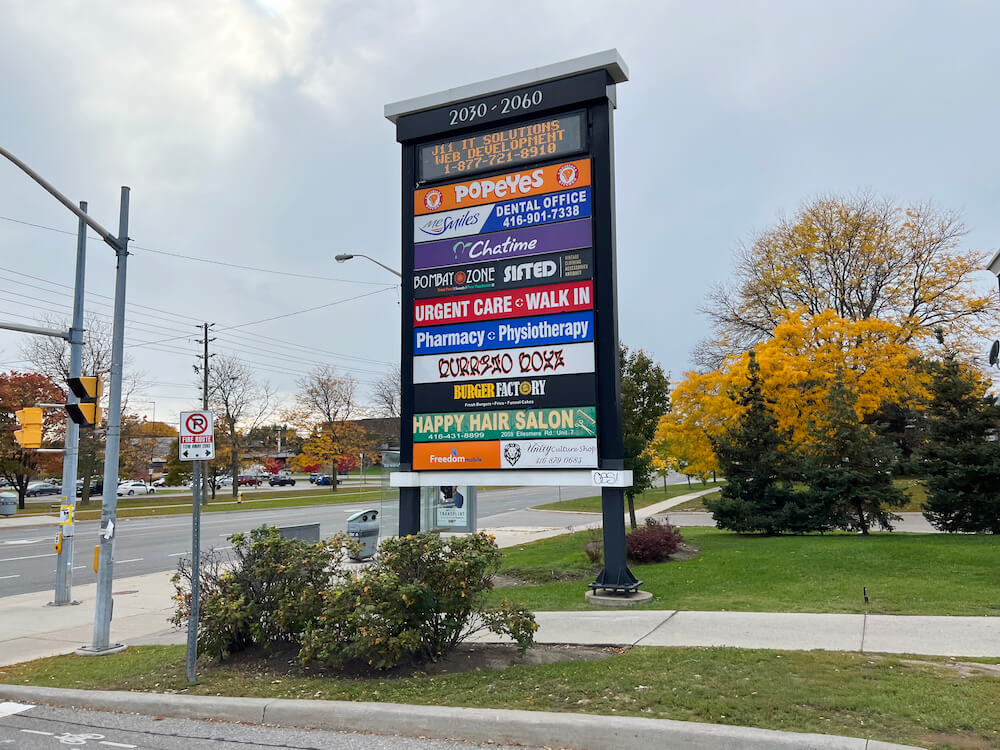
[(50, 728), (153, 544)]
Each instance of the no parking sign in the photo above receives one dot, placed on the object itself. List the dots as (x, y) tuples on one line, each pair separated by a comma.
[(197, 436)]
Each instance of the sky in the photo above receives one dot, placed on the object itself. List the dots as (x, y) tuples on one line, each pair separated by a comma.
[(252, 136)]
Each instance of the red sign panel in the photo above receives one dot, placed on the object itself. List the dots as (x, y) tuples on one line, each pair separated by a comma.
[(517, 303)]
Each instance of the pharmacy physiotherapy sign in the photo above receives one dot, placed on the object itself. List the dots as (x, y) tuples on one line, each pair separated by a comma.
[(510, 347)]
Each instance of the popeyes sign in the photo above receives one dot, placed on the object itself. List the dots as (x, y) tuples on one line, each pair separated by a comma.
[(513, 185)]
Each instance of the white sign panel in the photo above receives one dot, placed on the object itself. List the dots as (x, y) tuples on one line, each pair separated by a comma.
[(197, 436), (578, 453), (559, 359)]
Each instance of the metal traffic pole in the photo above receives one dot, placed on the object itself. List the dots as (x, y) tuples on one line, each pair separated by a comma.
[(64, 558), (192, 634), (109, 504)]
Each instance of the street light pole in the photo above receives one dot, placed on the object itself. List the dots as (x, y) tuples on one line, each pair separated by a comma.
[(109, 504), (343, 257)]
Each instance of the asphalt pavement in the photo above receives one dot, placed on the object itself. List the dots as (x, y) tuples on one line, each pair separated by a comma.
[(152, 544), (28, 727)]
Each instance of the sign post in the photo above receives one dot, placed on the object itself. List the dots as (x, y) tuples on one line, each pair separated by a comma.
[(510, 357), (196, 443)]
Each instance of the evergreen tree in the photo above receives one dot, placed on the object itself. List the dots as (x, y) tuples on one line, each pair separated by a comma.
[(960, 463), (758, 494), (849, 474), (645, 398), (177, 471)]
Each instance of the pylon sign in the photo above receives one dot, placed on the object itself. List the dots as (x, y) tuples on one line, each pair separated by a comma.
[(509, 305), (197, 436)]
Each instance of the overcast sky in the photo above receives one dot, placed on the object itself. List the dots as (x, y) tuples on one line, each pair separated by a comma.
[(252, 134)]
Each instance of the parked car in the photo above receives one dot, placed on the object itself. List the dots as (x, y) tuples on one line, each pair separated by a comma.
[(161, 482), (249, 481), (135, 488), (37, 489), (96, 487), (277, 480), (224, 481), (313, 477), (326, 480)]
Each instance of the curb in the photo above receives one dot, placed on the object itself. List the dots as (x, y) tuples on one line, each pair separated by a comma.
[(483, 725)]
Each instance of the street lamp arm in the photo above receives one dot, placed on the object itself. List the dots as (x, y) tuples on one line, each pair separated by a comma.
[(104, 233), (347, 256)]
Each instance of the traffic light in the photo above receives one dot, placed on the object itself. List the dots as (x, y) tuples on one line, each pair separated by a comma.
[(30, 422), (87, 413)]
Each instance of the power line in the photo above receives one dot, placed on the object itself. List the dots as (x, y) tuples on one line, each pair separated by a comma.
[(227, 264), (138, 323)]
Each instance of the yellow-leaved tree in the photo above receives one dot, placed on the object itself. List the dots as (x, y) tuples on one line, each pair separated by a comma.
[(798, 365), (862, 257)]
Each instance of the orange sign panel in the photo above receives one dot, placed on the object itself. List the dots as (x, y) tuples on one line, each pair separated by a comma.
[(570, 174), (476, 454)]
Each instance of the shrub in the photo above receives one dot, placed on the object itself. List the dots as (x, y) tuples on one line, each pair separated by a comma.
[(421, 597), (271, 593), (653, 543)]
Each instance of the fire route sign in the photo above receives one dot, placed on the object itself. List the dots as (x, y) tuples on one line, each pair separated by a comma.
[(197, 436)]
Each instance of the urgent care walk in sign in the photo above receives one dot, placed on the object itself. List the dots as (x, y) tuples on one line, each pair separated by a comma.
[(510, 348)]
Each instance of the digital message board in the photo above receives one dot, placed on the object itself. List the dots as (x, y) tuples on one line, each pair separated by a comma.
[(550, 138)]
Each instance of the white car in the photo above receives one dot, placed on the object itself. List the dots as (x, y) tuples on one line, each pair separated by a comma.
[(134, 488)]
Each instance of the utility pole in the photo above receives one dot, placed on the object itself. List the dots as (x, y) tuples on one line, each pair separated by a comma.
[(64, 559), (198, 465), (197, 497)]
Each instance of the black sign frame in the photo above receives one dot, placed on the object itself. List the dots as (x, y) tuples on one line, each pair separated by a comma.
[(593, 91)]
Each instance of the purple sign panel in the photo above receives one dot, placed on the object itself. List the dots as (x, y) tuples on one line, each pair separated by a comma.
[(549, 238)]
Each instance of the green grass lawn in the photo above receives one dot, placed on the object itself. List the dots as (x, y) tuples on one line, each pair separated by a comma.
[(888, 698), (925, 574), (642, 500), (161, 505), (912, 487)]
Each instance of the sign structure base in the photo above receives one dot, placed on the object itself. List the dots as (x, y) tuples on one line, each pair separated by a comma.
[(114, 648), (547, 478)]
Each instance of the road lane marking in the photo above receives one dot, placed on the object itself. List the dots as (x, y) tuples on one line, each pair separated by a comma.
[(3, 578), (134, 559), (35, 731), (114, 744), (9, 708), (176, 554), (27, 557)]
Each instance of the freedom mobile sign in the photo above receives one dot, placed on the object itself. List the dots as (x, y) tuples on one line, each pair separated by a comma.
[(509, 364)]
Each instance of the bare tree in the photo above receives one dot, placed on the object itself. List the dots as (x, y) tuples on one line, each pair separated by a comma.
[(241, 401), (387, 392), (325, 397), (50, 356), (324, 403)]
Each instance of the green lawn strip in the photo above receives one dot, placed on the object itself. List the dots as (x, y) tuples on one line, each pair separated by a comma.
[(911, 574), (912, 487), (161, 505), (642, 500), (886, 698)]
